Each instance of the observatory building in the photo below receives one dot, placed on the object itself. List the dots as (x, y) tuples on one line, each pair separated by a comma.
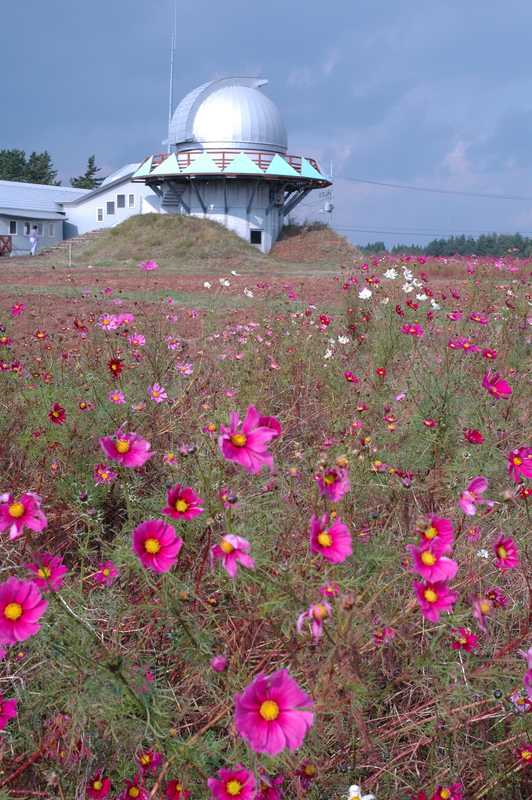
[(229, 162)]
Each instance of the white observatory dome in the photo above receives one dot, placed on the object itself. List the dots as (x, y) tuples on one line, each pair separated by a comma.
[(231, 113)]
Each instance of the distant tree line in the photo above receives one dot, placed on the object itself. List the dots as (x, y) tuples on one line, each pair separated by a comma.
[(39, 168), (492, 244)]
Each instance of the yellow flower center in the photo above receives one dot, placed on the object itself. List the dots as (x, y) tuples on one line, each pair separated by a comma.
[(145, 759), (233, 788), (430, 595), (13, 611), (269, 710), (16, 510), (325, 539), (445, 794), (431, 532), (526, 755), (310, 770), (133, 791), (517, 461), (239, 439), (319, 612), (226, 546), (485, 606), (181, 506), (502, 552), (122, 446), (152, 546), (44, 572), (211, 427), (428, 558), (97, 785), (329, 478), (106, 571)]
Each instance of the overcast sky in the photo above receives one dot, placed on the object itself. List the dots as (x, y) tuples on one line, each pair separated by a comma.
[(426, 92)]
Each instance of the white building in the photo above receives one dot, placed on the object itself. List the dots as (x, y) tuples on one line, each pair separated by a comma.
[(229, 163)]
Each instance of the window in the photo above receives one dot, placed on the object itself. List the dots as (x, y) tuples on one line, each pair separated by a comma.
[(38, 225), (51, 230), (120, 201), (110, 209), (27, 229), (255, 237), (99, 214), (132, 201), (13, 227)]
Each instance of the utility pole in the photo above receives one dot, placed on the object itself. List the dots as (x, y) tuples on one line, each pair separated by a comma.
[(172, 54)]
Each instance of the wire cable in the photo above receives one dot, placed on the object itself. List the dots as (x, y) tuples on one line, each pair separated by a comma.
[(434, 190)]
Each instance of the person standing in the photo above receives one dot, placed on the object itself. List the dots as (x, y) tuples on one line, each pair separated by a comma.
[(34, 240)]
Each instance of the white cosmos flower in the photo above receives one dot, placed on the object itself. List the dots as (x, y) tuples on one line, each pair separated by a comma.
[(436, 306), (237, 274), (207, 285), (385, 301), (391, 274), (355, 793), (408, 275), (365, 293), (417, 282), (328, 353), (224, 282), (421, 297), (407, 287), (483, 554), (248, 292), (343, 339)]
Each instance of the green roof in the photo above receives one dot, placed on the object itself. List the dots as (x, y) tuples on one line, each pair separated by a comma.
[(308, 171), (278, 166), (144, 169), (243, 164), (203, 163), (169, 166)]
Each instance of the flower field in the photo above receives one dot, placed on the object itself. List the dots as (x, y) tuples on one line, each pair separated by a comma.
[(269, 539)]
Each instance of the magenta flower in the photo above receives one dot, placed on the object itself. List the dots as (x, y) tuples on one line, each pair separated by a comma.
[(520, 463), (527, 679), (413, 330), (182, 503), (434, 598), (19, 513), (507, 556), (21, 605), (134, 789), (233, 782), (156, 544), (233, 550), (98, 787), (333, 543), (8, 710), (269, 787), (482, 608), (333, 483), (439, 531), (270, 715), (246, 443), (128, 449), (473, 496), (464, 639), (49, 572), (147, 266), (429, 562), (316, 615), (117, 397), (496, 386), (149, 761), (157, 393), (103, 474), (107, 574), (219, 663)]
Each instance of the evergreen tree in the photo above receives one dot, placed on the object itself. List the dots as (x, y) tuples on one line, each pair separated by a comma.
[(89, 179), (40, 169), (12, 165)]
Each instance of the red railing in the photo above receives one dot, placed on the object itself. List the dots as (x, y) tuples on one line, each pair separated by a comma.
[(222, 158)]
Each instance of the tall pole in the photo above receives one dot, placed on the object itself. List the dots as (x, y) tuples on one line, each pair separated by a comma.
[(172, 53)]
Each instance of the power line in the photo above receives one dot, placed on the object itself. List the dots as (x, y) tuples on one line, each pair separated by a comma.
[(408, 232), (433, 190)]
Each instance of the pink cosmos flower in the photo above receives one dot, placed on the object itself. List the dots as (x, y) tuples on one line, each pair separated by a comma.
[(149, 761), (233, 782), (98, 787), (107, 574), (182, 503), (246, 443), (232, 551), (136, 340), (17, 309), (156, 544), (147, 266), (175, 791), (128, 449), (316, 615), (333, 543), (103, 474), (116, 397), (331, 589), (22, 512), (473, 496), (269, 787), (219, 663), (49, 572), (453, 792), (134, 790), (184, 368), (413, 330), (463, 639), (496, 386), (157, 393), (429, 562), (8, 710), (482, 607), (434, 598), (527, 679), (333, 483), (520, 463), (383, 635), (21, 605), (438, 530), (473, 436), (270, 715), (507, 556)]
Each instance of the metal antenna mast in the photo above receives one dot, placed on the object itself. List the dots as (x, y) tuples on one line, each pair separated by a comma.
[(172, 54)]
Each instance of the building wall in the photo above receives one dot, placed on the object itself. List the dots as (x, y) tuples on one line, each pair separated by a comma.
[(84, 216), (21, 241), (238, 195)]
